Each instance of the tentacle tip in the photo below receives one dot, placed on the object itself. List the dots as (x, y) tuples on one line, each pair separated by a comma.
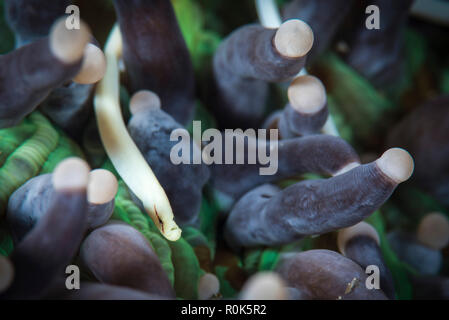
[(294, 39), (433, 231), (6, 273), (397, 164), (144, 100), (68, 44), (359, 229), (265, 286), (307, 94), (94, 66), (102, 186), (71, 174), (208, 286)]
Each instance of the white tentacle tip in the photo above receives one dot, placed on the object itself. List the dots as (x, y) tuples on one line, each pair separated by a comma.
[(208, 286), (294, 39), (359, 229), (68, 44), (307, 94), (102, 186), (433, 231), (93, 68), (265, 286), (144, 100), (71, 174), (397, 164)]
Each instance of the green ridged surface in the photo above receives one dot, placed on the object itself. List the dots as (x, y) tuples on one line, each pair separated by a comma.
[(31, 148), (187, 269), (27, 160), (178, 258), (128, 212)]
